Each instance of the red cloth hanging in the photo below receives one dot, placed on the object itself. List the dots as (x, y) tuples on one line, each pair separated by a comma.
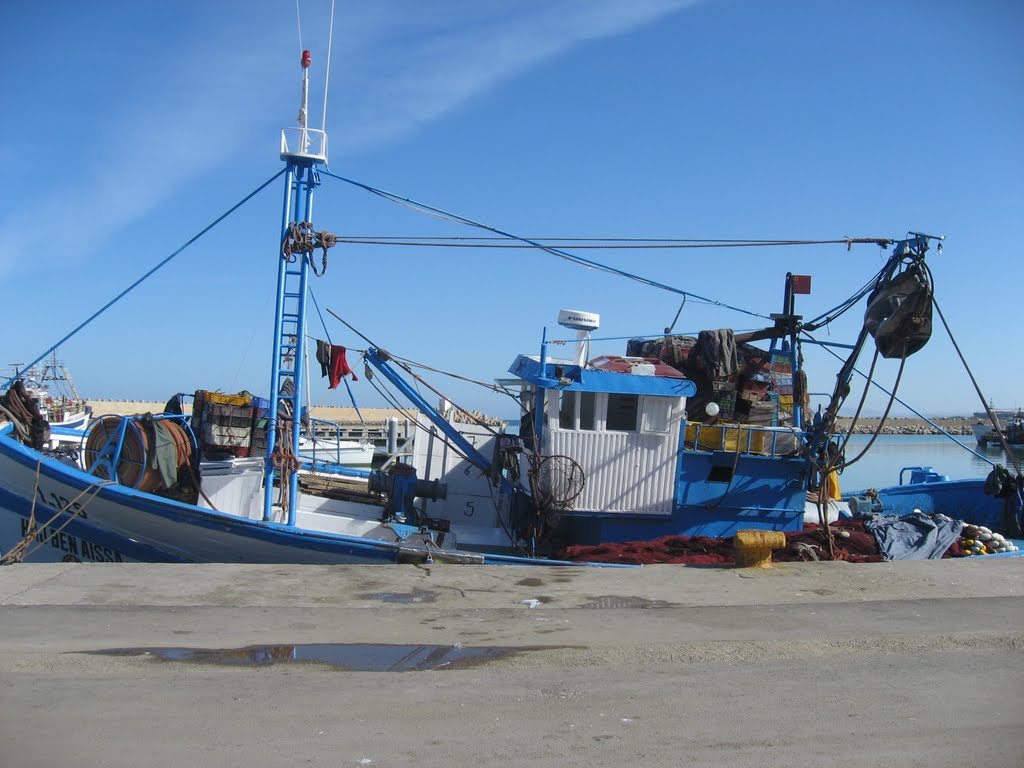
[(339, 366)]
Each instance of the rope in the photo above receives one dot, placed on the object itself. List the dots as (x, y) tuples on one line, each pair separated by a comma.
[(152, 271), (910, 408), (16, 554), (20, 551), (92, 490), (300, 237), (327, 334), (556, 482), (579, 260), (591, 243), (1006, 448), (134, 469), (285, 461), (406, 362)]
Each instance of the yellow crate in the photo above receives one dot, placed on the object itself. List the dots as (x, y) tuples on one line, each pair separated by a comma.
[(717, 438), (728, 437), (221, 399)]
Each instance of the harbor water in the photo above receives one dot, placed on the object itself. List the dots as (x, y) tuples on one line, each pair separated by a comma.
[(960, 458)]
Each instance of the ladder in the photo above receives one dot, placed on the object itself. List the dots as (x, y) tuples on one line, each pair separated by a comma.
[(289, 360)]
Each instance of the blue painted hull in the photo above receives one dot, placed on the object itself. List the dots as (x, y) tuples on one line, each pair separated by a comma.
[(138, 526), (959, 499), (119, 524)]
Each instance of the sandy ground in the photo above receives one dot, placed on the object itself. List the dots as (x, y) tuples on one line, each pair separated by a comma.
[(805, 664)]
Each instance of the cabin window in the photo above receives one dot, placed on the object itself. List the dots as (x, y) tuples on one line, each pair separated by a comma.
[(622, 412), (577, 410), (588, 409), (567, 409), (656, 414)]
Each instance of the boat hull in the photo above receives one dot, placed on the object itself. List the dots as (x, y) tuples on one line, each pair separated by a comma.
[(140, 526), (960, 499)]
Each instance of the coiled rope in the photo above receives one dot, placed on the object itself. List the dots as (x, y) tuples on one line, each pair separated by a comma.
[(284, 460), (134, 469), (300, 237)]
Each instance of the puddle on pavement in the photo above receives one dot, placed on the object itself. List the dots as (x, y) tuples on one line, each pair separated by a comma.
[(416, 596), (619, 601), (356, 657)]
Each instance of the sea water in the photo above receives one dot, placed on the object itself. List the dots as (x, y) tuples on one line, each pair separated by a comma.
[(960, 458)]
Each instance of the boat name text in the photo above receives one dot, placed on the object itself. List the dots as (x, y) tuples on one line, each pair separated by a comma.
[(79, 548)]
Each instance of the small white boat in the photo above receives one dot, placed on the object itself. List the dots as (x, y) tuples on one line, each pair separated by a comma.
[(346, 453)]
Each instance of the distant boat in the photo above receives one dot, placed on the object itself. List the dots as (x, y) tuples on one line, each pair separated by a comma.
[(1010, 429), (50, 385)]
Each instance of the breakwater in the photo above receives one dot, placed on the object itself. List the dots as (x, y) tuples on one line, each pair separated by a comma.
[(953, 425)]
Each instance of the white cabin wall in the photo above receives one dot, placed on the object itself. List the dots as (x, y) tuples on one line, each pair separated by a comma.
[(471, 497), (627, 472)]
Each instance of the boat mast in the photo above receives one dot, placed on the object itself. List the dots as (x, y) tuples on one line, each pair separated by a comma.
[(288, 369)]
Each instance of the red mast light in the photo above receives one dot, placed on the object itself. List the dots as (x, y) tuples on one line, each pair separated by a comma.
[(306, 59)]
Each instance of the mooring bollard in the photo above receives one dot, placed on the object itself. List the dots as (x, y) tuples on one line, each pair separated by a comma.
[(754, 547)]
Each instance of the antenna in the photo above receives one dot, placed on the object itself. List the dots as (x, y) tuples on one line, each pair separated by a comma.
[(310, 143), (584, 323), (327, 74)]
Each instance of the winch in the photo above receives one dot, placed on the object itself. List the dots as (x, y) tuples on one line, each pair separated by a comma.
[(401, 487)]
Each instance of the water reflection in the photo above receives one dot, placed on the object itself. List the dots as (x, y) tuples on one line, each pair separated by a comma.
[(360, 657)]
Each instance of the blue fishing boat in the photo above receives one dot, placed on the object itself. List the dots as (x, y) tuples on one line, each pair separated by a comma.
[(678, 436)]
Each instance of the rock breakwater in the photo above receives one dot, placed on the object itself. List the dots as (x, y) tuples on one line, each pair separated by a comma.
[(954, 425)]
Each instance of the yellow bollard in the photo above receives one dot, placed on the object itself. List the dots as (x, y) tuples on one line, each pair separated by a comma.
[(754, 547)]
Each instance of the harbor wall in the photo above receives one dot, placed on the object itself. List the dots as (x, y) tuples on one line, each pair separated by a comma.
[(375, 417)]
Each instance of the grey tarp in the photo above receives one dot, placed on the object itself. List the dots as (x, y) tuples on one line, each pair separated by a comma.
[(914, 536)]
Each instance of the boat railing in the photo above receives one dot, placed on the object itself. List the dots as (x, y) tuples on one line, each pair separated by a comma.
[(310, 143), (743, 438), (326, 437)]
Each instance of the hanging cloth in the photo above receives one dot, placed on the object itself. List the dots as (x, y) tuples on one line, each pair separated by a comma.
[(323, 356), (715, 353), (339, 366)]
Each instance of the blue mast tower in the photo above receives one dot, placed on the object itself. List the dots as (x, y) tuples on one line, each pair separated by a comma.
[(302, 149)]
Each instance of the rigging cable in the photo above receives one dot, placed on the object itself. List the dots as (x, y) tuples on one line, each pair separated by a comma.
[(152, 271), (579, 260), (837, 311), (405, 364), (881, 421), (595, 243), (1006, 449), (327, 73), (911, 409), (327, 333)]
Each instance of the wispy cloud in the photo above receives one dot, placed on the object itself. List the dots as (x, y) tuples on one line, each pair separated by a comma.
[(397, 66), (417, 70)]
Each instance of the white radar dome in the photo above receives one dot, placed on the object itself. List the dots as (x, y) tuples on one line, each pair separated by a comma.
[(580, 321)]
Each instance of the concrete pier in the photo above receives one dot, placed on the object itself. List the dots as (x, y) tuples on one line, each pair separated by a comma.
[(816, 664)]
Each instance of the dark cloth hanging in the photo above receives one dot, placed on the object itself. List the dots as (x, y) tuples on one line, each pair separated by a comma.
[(323, 356), (715, 353), (338, 365)]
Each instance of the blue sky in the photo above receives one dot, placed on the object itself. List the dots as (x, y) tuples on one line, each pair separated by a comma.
[(130, 126)]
